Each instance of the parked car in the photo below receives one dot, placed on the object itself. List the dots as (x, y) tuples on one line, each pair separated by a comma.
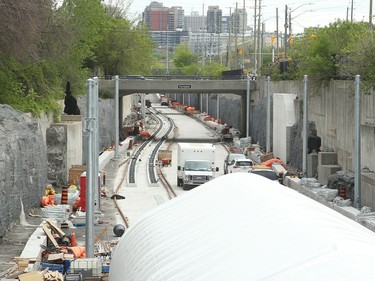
[(230, 157), (240, 165), (265, 172)]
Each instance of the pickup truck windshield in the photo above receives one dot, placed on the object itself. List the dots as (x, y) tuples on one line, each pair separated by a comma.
[(198, 166)]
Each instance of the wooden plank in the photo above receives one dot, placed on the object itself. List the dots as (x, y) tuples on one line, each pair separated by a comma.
[(31, 276), (266, 157), (48, 232), (55, 228)]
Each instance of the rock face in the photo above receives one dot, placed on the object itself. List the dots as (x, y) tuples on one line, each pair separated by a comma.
[(56, 151), (23, 165)]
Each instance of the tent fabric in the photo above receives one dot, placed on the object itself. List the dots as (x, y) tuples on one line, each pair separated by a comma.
[(244, 227)]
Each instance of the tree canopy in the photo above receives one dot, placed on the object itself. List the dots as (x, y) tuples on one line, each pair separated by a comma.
[(44, 45), (339, 51)]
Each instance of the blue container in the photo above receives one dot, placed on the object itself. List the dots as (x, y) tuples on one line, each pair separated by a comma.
[(105, 268), (67, 266), (53, 267)]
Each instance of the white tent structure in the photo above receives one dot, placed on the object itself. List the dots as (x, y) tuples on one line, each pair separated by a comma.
[(244, 227)]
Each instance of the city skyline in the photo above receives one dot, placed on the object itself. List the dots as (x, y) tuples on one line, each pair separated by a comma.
[(315, 13)]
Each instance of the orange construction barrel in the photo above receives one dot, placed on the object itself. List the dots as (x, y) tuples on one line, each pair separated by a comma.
[(64, 195)]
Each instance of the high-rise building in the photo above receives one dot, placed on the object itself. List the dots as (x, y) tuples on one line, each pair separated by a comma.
[(238, 21), (160, 18), (177, 18), (225, 24), (155, 16), (166, 24), (194, 22), (214, 14)]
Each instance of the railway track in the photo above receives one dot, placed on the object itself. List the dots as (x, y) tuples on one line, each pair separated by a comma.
[(154, 170)]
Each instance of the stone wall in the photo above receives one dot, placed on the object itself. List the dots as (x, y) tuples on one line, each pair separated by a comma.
[(23, 163), (24, 143)]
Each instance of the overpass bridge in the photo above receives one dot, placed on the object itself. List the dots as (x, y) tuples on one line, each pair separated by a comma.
[(242, 87), (175, 86)]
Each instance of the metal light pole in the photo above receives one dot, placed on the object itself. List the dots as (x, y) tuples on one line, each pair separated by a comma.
[(90, 128), (268, 141), (248, 105), (305, 128), (117, 138), (95, 185), (357, 143)]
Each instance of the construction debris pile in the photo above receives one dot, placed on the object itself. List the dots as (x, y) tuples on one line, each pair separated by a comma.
[(55, 251)]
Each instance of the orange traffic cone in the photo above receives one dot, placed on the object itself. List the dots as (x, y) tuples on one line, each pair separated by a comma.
[(73, 240)]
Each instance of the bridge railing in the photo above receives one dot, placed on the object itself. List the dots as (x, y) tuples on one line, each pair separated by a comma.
[(182, 77)]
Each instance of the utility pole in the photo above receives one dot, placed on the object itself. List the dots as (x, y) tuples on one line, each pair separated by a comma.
[(290, 23), (167, 52), (243, 35), (259, 27), (229, 37), (352, 8), (370, 15), (277, 31), (262, 43), (255, 38), (235, 38), (218, 47), (204, 40), (286, 31)]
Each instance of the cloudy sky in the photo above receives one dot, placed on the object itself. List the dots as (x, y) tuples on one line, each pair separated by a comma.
[(304, 13)]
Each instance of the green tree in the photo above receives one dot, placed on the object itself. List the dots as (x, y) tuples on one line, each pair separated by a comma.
[(322, 54), (361, 59), (124, 49), (184, 56), (212, 69), (82, 24)]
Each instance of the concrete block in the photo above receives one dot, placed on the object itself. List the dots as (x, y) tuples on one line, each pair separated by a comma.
[(326, 170), (33, 249), (368, 190), (312, 165), (70, 118), (369, 178), (327, 158)]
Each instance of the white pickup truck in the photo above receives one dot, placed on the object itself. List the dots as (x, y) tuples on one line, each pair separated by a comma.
[(196, 164)]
